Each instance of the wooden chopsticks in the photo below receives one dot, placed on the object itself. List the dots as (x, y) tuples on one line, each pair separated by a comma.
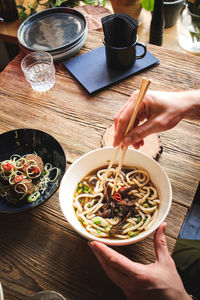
[(142, 91)]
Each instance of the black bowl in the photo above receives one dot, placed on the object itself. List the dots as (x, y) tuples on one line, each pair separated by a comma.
[(25, 141)]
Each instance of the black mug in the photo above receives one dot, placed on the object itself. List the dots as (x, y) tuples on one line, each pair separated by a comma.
[(8, 10), (123, 57)]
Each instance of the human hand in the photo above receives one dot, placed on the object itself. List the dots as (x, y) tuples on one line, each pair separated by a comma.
[(159, 111), (156, 281)]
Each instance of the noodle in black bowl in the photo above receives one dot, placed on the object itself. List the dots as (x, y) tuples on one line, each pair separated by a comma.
[(139, 204), (32, 164)]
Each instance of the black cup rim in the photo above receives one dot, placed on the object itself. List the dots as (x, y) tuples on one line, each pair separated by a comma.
[(120, 48)]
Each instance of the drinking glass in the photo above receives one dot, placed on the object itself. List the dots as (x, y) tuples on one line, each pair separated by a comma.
[(47, 295), (39, 70)]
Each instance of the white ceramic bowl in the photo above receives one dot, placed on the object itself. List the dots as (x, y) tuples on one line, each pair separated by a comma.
[(98, 158)]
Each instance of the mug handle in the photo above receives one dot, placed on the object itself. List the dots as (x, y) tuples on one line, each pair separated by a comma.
[(145, 50)]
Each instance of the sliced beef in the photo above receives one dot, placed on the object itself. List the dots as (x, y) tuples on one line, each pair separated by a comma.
[(21, 188), (112, 208), (37, 159)]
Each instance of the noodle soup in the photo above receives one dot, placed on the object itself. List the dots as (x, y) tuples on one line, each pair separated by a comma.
[(152, 181), (129, 211)]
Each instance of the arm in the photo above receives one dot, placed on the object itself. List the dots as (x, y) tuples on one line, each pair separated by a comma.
[(158, 112), (156, 281)]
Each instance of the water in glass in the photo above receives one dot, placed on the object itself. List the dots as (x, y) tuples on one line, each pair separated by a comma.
[(39, 71), (40, 76)]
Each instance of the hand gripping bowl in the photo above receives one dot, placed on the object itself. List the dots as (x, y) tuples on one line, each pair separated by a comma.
[(98, 158)]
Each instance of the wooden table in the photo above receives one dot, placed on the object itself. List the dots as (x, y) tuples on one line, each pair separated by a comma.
[(38, 248)]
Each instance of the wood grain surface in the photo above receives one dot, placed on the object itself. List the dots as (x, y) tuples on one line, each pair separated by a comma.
[(38, 249)]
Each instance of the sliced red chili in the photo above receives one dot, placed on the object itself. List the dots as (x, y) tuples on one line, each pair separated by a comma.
[(122, 188), (8, 167), (18, 178), (35, 169), (117, 197)]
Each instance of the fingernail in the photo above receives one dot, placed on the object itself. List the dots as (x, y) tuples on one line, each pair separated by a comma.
[(90, 244), (164, 226), (92, 247)]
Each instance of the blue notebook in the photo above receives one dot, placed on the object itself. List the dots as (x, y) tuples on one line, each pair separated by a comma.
[(93, 73)]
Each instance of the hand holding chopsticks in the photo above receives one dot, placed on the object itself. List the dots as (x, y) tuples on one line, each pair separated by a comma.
[(142, 91)]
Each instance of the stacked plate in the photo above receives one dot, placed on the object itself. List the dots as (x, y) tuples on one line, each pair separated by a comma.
[(59, 31)]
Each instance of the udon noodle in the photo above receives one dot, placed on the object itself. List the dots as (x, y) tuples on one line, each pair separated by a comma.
[(131, 210)]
